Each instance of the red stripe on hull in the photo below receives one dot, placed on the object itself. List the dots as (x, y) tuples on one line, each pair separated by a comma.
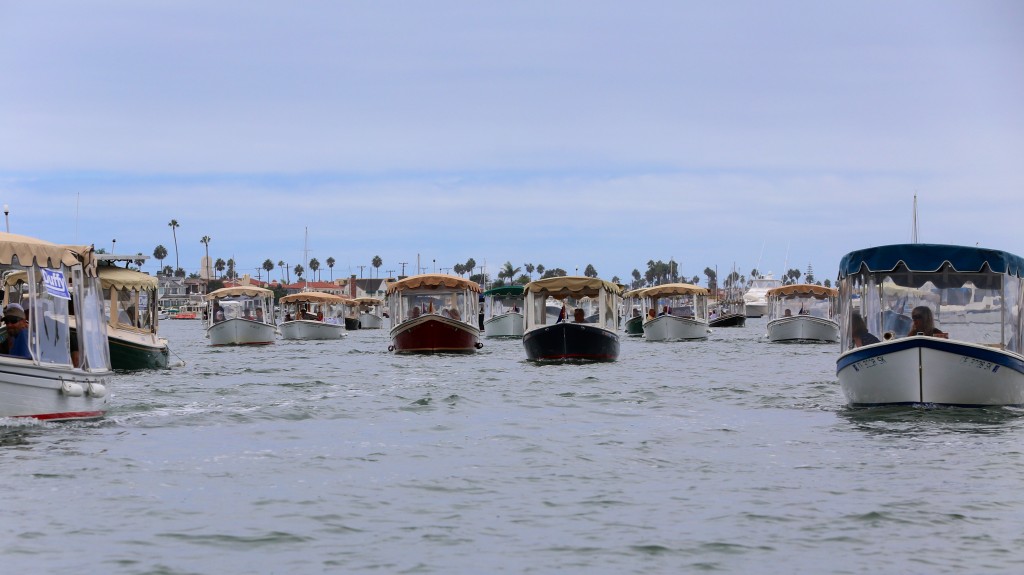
[(67, 415)]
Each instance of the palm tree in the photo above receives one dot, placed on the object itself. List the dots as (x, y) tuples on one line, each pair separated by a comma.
[(330, 264), (284, 270), (712, 280), (231, 268), (470, 264), (206, 242), (174, 227), (167, 271), (540, 270), (268, 265), (458, 269), (314, 265), (590, 272), (298, 272), (219, 265), (529, 270), (160, 253), (508, 272), (377, 262)]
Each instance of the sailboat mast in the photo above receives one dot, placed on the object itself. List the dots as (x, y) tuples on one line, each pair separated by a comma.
[(913, 231)]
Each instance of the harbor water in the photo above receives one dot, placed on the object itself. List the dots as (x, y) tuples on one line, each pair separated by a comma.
[(730, 455)]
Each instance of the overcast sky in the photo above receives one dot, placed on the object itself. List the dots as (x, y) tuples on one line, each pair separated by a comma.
[(765, 134)]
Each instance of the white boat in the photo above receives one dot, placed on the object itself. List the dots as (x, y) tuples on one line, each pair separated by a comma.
[(755, 299), (675, 312), (885, 362), (241, 315), (503, 311), (803, 313), (59, 380), (313, 315), (369, 312)]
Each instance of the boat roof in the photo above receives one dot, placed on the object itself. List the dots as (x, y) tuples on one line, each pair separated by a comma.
[(251, 291), (803, 289), (30, 250), (673, 289), (123, 278), (368, 300), (564, 286), (506, 290), (433, 281), (930, 258), (313, 297)]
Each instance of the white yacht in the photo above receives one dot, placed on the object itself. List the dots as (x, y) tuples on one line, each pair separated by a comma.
[(756, 299)]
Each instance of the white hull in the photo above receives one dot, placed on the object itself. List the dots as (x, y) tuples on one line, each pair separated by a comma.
[(756, 309), (51, 392), (370, 321), (674, 328), (237, 331), (311, 329), (504, 325), (924, 370), (803, 328)]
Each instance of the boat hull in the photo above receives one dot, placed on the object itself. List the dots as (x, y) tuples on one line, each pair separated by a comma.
[(55, 393), (504, 325), (237, 331), (729, 320), (311, 329), (370, 321), (130, 354), (434, 334), (756, 309), (635, 326), (571, 341), (932, 371), (803, 328), (674, 328)]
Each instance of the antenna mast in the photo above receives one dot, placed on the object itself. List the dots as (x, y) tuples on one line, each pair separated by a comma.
[(913, 231)]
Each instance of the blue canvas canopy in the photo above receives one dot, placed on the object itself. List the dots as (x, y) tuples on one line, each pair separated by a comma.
[(930, 258), (506, 290)]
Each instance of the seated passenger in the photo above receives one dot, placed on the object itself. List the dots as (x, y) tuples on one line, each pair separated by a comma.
[(859, 329), (789, 313), (924, 323), (415, 312), (577, 315), (651, 314), (16, 343)]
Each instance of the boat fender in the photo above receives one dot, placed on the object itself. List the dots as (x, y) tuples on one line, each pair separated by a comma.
[(71, 389), (888, 335), (479, 345), (97, 390), (391, 348)]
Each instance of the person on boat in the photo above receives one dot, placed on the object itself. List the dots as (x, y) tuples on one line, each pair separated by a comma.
[(415, 312), (16, 343), (924, 323), (259, 314), (861, 335), (577, 315), (287, 316), (651, 314), (789, 313), (320, 316)]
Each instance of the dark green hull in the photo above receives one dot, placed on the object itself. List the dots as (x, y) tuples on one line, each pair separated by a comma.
[(129, 356), (635, 326)]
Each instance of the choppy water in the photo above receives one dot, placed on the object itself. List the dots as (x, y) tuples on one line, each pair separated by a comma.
[(729, 455)]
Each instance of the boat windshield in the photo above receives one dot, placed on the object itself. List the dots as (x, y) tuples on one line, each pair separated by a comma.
[(977, 307), (801, 304), (411, 304)]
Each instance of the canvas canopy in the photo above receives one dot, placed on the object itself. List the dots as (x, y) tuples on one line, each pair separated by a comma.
[(572, 286), (122, 278), (672, 289), (250, 291), (434, 281), (930, 258), (368, 301), (28, 251), (802, 289), (505, 290), (313, 297)]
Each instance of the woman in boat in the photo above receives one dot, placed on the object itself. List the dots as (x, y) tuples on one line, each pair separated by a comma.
[(861, 335), (924, 323)]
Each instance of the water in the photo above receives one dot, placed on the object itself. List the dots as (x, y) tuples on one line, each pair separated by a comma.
[(729, 455)]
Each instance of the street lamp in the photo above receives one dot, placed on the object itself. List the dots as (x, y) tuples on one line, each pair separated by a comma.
[(7, 211), (113, 247)]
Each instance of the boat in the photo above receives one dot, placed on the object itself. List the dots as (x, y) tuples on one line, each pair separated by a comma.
[(434, 313), (731, 311), (974, 363), (60, 380), (800, 313), (675, 312), (240, 315), (755, 299), (190, 310), (570, 336), (132, 319), (633, 306), (369, 312), (503, 311), (312, 315)]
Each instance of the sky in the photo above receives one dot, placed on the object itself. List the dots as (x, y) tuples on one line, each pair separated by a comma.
[(767, 135)]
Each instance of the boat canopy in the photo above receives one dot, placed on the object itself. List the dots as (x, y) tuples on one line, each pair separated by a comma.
[(250, 291), (433, 281), (44, 254), (802, 289), (672, 289), (368, 301), (313, 297), (123, 278), (506, 290), (571, 286), (930, 258)]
